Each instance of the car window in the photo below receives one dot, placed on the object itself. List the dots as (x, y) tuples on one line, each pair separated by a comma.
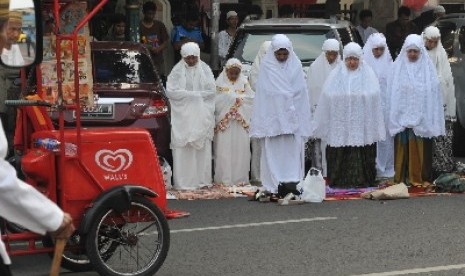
[(447, 29), (306, 45), (122, 66)]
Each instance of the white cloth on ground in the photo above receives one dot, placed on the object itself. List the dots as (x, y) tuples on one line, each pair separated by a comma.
[(349, 112), (282, 160), (382, 66), (232, 142), (440, 60), (414, 97)]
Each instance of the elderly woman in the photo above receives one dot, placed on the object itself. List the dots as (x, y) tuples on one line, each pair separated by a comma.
[(281, 115), (376, 54), (317, 73), (415, 111), (442, 146), (349, 118), (191, 92), (233, 108)]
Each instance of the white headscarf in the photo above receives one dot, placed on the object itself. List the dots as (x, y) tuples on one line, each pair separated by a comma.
[(256, 63), (319, 70), (349, 111), (440, 60), (191, 91), (414, 98), (382, 66), (281, 105), (227, 93)]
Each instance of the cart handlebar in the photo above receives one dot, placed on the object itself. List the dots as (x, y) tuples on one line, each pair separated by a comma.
[(27, 103)]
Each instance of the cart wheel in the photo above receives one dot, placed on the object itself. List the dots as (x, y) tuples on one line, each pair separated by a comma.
[(73, 259), (134, 242)]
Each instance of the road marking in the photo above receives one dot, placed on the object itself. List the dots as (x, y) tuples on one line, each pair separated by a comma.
[(416, 270), (255, 224)]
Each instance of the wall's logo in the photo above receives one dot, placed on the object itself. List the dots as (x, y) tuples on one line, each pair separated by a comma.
[(114, 161)]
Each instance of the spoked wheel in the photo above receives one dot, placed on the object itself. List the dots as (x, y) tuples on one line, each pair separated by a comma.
[(134, 242), (74, 257)]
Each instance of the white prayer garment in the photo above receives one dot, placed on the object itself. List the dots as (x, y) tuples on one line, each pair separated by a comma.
[(256, 64), (12, 56), (414, 87), (349, 112), (233, 109), (281, 116), (440, 60), (191, 91), (382, 67)]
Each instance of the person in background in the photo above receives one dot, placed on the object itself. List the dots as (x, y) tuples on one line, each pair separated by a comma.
[(365, 29), (189, 31), (377, 55), (398, 30), (349, 118), (281, 116), (30, 39), (11, 53), (443, 160), (428, 17), (416, 112), (191, 91), (226, 37), (19, 202), (255, 143), (316, 76), (117, 31), (154, 35), (233, 109)]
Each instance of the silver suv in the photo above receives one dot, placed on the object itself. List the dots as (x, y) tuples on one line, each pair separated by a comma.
[(452, 27), (307, 36)]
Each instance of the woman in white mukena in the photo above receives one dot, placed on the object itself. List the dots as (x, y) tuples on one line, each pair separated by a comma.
[(281, 116), (376, 54), (349, 118), (191, 91), (442, 145), (316, 76), (233, 109)]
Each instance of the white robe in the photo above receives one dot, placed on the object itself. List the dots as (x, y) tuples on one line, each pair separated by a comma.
[(382, 67), (12, 56), (191, 92), (232, 142)]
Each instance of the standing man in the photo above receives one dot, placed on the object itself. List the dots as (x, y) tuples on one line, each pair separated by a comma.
[(30, 39), (189, 31), (191, 91), (365, 29), (19, 202), (398, 30), (226, 37), (154, 35), (117, 31)]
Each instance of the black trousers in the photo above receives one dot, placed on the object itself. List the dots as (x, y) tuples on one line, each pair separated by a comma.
[(4, 269)]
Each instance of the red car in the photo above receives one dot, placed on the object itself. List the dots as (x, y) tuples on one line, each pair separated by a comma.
[(128, 93)]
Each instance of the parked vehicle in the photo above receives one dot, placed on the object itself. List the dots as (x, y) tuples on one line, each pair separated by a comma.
[(307, 36), (128, 93), (452, 27)]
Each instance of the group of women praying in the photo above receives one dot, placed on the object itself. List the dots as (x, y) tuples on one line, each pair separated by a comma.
[(363, 115)]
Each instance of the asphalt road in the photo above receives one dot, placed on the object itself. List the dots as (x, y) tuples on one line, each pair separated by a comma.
[(421, 236)]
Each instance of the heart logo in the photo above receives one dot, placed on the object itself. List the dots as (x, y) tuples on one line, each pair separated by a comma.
[(114, 161)]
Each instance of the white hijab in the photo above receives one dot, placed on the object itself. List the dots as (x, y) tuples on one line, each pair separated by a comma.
[(349, 111), (382, 65), (227, 92), (440, 60), (191, 91), (414, 97), (256, 63), (281, 105), (319, 70)]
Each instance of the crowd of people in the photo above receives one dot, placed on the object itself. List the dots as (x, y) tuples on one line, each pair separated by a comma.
[(362, 116)]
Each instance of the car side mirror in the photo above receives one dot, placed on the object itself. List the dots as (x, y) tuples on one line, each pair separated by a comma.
[(20, 33)]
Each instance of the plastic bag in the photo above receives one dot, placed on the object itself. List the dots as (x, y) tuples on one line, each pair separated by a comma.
[(313, 187), (167, 173)]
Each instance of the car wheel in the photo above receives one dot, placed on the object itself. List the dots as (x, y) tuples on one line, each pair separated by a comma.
[(458, 146)]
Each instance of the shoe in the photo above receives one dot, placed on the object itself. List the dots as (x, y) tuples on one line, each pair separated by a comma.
[(290, 199)]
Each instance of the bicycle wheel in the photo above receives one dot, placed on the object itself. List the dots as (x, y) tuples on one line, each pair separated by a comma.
[(134, 242)]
